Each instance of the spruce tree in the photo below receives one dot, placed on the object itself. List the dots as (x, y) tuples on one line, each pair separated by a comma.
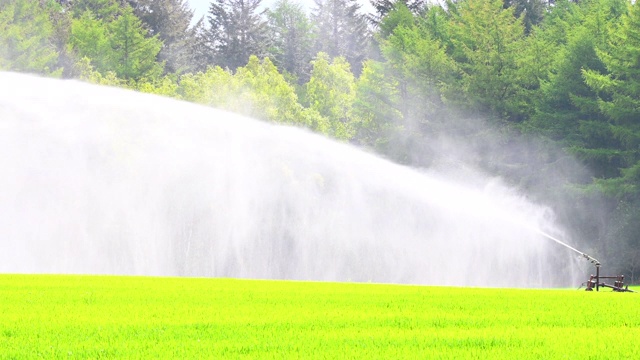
[(122, 45), (531, 11), (621, 87), (487, 43), (134, 52), (618, 89)]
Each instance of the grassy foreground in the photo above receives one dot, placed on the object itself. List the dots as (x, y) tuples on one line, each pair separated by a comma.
[(148, 317)]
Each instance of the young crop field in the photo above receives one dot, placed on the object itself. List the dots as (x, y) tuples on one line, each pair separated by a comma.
[(150, 317)]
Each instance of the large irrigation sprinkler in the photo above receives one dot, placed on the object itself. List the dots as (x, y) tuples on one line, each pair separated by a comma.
[(594, 280)]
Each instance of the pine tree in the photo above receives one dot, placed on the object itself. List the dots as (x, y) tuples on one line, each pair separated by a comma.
[(236, 31), (202, 52), (384, 7), (341, 30), (291, 39), (170, 21)]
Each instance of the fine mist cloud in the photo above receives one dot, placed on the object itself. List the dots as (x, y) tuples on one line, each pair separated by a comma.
[(107, 181), (475, 151)]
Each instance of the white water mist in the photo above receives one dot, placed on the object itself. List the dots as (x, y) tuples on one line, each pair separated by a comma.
[(99, 180)]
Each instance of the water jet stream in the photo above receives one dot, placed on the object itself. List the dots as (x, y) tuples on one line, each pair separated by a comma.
[(99, 180), (584, 255)]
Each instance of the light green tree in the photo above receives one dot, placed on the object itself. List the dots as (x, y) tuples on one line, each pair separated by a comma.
[(215, 87), (376, 106), (268, 92), (257, 90), (134, 53), (90, 39), (26, 42), (121, 45), (331, 92)]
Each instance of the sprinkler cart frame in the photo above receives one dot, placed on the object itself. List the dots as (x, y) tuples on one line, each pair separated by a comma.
[(594, 280)]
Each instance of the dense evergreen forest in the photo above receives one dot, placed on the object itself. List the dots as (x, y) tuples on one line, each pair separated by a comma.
[(544, 95)]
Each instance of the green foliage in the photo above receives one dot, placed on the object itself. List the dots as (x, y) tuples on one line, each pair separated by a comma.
[(257, 90), (291, 39), (165, 86), (269, 93), (170, 21), (618, 90), (90, 40), (547, 76), (398, 16), (340, 30), (215, 87), (531, 11), (26, 37), (120, 46), (384, 7), (134, 54), (565, 98), (331, 92), (559, 21), (375, 106), (419, 61), (88, 73), (236, 31), (487, 42), (106, 10), (147, 317), (622, 60), (567, 108)]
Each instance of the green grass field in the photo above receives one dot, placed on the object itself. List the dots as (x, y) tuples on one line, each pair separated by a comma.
[(149, 317)]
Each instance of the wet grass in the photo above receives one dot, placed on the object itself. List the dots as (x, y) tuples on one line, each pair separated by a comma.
[(149, 317)]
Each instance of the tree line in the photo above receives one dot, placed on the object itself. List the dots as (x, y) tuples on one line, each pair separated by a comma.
[(557, 81)]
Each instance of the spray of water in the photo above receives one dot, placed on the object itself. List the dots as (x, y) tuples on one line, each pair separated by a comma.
[(107, 181)]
